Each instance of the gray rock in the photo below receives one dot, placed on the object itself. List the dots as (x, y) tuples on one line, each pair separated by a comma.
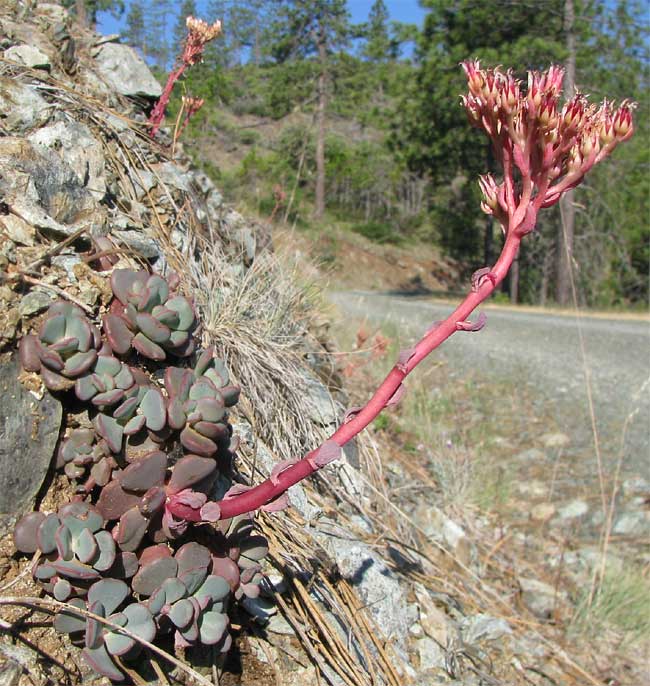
[(125, 71), (28, 56), (636, 486), (375, 583), (117, 124), (21, 107), (431, 655), (79, 149), (214, 201), (18, 230), (89, 294), (8, 251), (10, 673), (38, 182), (143, 181), (531, 455), (34, 302), (143, 245), (203, 182), (434, 622), (483, 627), (28, 438), (576, 509), (68, 263), (633, 524), (539, 597), (172, 175), (435, 523), (51, 11), (261, 608), (555, 440), (320, 407), (279, 625)]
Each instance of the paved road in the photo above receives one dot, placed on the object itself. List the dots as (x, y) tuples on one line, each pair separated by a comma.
[(543, 351)]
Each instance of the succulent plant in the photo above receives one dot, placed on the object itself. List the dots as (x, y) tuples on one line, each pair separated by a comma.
[(141, 406), (147, 316), (81, 451), (146, 501), (76, 549), (185, 596), (100, 641), (107, 384), (88, 552), (197, 405), (237, 554), (65, 348)]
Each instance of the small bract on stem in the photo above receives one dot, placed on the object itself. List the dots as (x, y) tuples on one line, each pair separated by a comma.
[(544, 149)]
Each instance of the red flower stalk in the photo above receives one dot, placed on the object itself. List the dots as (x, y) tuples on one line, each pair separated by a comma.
[(198, 34), (552, 148)]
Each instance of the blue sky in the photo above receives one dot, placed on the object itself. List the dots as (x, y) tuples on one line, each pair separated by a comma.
[(407, 11)]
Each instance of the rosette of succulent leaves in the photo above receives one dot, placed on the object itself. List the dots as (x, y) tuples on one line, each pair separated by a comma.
[(124, 550)]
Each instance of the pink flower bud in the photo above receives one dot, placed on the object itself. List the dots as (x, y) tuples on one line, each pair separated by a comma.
[(606, 130), (548, 113), (588, 144), (574, 160), (572, 115), (473, 108), (509, 92), (472, 69), (490, 192), (623, 126)]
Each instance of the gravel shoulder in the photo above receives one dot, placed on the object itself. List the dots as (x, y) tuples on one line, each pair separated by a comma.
[(558, 356)]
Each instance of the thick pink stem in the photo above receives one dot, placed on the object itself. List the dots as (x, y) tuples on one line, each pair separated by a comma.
[(271, 489), (181, 511), (158, 113)]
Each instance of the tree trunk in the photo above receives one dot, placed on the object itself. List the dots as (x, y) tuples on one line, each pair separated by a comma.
[(567, 207), (514, 280), (82, 14), (487, 241), (319, 205)]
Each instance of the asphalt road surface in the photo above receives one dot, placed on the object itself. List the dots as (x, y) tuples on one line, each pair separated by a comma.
[(543, 351)]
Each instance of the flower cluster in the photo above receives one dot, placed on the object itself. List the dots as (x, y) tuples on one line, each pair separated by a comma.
[(551, 145), (199, 33)]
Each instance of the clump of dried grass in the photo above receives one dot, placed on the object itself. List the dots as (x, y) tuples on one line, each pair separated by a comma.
[(258, 319)]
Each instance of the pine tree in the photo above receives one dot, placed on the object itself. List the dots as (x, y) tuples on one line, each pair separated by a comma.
[(86, 10), (187, 9), (156, 29), (314, 29), (135, 33), (377, 47)]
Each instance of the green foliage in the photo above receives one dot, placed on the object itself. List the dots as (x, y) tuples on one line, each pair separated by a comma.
[(300, 24), (378, 232), (377, 45), (92, 7), (621, 601), (187, 9), (399, 151)]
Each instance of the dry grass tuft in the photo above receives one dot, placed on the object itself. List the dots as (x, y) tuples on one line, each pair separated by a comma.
[(258, 319)]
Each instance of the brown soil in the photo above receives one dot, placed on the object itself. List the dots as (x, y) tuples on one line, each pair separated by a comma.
[(349, 261)]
